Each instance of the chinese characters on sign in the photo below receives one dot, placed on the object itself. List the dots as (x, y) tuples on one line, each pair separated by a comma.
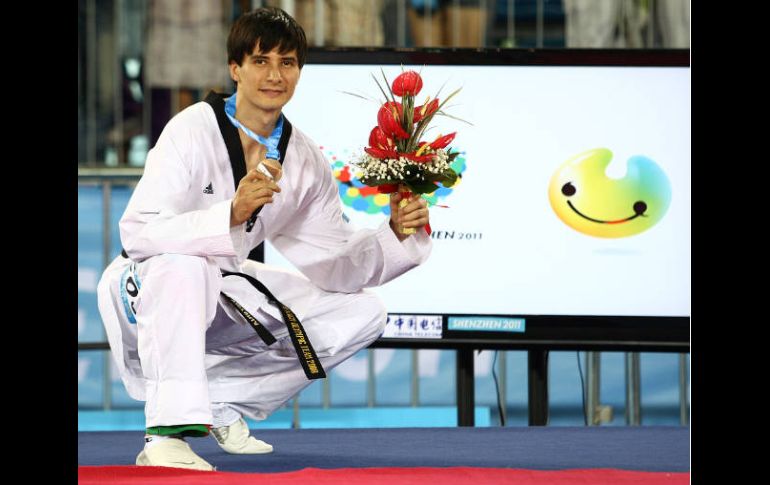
[(413, 326)]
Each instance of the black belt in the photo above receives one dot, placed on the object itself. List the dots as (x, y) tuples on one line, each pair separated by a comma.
[(307, 356), (264, 333), (305, 352)]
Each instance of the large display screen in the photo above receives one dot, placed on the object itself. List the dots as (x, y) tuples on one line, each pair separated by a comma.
[(574, 196)]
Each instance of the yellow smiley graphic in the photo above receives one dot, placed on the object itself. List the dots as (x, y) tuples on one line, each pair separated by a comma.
[(589, 201)]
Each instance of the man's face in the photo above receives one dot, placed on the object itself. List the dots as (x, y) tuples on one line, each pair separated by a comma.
[(266, 80)]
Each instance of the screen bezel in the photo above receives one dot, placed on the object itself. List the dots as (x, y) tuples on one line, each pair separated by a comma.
[(565, 332)]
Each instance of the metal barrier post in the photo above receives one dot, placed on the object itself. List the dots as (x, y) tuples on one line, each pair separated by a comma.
[(465, 391), (415, 390), (684, 418), (592, 377), (633, 387)]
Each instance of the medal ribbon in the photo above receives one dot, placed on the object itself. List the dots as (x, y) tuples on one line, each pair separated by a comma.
[(271, 142)]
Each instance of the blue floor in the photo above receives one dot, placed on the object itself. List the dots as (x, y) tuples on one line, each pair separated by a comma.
[(539, 448), (309, 418)]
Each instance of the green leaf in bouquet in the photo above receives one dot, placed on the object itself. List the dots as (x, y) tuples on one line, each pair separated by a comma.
[(448, 177), (387, 85), (446, 100), (433, 177), (442, 113), (365, 98), (382, 90), (422, 187), (411, 169), (408, 107), (423, 124)]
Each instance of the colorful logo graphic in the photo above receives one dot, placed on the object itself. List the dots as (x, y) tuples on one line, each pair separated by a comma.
[(366, 199), (589, 201)]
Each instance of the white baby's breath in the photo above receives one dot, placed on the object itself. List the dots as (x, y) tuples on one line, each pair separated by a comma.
[(395, 169)]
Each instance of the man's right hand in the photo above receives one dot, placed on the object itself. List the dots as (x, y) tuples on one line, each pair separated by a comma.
[(254, 190)]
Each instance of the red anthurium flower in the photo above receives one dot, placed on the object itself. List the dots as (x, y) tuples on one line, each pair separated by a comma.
[(380, 153), (389, 120), (378, 139), (407, 83), (387, 188), (443, 141), (418, 158), (428, 109)]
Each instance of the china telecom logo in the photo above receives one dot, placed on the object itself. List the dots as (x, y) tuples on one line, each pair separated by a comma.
[(367, 199)]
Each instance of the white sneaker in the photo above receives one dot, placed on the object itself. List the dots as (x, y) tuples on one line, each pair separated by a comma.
[(174, 453), (235, 439)]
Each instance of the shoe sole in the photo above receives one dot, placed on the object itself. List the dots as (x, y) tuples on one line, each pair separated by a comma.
[(142, 460), (237, 452)]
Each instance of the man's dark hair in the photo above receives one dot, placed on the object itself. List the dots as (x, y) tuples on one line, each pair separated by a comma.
[(271, 27)]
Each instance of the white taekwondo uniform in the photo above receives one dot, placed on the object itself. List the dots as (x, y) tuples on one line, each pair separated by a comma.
[(189, 351)]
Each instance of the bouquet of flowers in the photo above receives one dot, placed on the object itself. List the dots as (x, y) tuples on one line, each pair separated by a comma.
[(397, 159)]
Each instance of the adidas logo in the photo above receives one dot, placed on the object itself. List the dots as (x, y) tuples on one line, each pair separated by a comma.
[(209, 189)]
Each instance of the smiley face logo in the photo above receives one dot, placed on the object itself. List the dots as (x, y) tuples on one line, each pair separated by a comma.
[(589, 201)]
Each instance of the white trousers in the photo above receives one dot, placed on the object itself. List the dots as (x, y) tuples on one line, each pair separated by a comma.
[(195, 354)]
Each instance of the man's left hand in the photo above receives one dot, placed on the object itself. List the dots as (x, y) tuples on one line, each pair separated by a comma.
[(414, 214)]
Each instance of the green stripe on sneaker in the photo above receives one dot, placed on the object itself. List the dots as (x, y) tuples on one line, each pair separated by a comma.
[(194, 430)]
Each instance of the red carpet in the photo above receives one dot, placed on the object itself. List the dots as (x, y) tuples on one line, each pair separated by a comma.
[(133, 475)]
